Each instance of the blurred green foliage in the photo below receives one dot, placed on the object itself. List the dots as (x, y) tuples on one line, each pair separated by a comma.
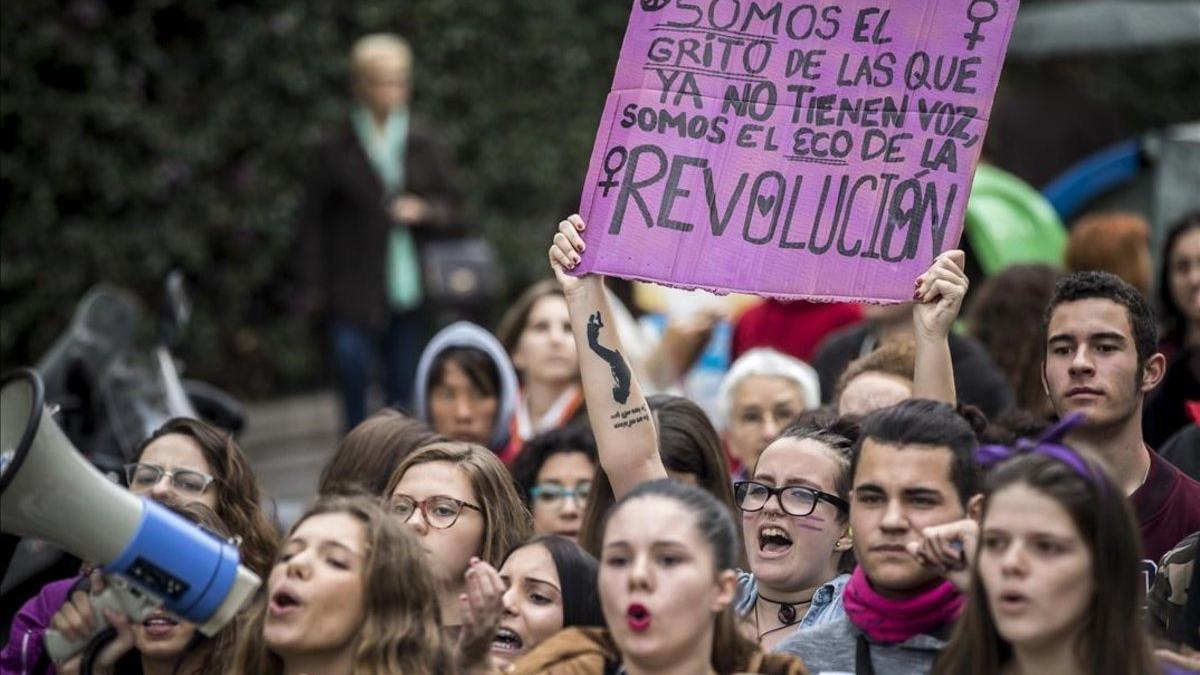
[(140, 136)]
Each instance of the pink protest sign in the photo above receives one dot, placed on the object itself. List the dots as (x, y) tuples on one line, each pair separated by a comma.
[(791, 149)]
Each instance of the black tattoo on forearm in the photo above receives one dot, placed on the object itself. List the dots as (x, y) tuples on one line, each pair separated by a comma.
[(620, 369)]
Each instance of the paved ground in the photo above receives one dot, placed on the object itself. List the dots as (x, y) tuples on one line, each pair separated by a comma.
[(288, 442)]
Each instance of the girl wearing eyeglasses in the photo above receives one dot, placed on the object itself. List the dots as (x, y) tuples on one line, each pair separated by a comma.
[(795, 524), (184, 461), (459, 500), (187, 461), (554, 473)]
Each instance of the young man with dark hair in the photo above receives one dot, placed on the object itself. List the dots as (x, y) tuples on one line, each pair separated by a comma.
[(1101, 358), (913, 468)]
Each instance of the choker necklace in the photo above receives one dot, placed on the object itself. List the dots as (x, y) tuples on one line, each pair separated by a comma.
[(787, 610)]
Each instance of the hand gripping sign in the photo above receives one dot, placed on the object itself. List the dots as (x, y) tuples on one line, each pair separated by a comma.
[(792, 149)]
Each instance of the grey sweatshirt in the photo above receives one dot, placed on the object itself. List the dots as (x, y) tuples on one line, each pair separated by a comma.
[(831, 648)]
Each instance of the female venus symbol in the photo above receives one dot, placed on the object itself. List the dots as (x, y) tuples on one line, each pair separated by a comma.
[(610, 171), (978, 17)]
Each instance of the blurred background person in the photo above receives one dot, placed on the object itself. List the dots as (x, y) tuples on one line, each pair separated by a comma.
[(554, 474), (377, 188), (1117, 243), (976, 379), (1167, 408), (368, 455), (1005, 316), (761, 395), (536, 332), (466, 387), (1179, 285), (877, 380), (794, 327)]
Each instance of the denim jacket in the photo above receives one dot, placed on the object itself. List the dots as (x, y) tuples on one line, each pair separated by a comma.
[(826, 603)]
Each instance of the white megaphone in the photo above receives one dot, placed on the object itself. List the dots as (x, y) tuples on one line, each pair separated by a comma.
[(49, 491)]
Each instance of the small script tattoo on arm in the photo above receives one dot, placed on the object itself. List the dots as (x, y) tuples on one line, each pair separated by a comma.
[(620, 369), (625, 419)]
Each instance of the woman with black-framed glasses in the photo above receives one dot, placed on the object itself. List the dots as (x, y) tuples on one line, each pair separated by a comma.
[(795, 522)]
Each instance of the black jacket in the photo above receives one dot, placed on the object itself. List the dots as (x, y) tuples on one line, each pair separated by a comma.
[(344, 223), (976, 379)]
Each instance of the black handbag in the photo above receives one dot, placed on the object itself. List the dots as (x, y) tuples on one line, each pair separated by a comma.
[(461, 271)]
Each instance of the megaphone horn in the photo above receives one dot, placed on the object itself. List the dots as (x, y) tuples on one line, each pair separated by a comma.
[(48, 490)]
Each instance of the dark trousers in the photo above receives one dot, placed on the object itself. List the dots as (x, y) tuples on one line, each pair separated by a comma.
[(357, 350)]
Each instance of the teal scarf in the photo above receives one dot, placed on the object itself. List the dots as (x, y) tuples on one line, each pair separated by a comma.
[(386, 151)]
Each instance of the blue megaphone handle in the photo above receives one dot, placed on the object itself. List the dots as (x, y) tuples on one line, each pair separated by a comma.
[(190, 569)]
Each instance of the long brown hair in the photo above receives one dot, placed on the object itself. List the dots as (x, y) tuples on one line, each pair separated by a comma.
[(239, 500), (1112, 641), (401, 631), (1006, 317), (731, 650), (514, 321), (506, 522), (367, 456), (688, 444)]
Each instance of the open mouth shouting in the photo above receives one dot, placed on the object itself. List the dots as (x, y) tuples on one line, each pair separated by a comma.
[(773, 541), (507, 641), (284, 602)]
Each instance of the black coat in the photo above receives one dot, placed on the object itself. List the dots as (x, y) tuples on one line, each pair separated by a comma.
[(977, 381), (344, 223)]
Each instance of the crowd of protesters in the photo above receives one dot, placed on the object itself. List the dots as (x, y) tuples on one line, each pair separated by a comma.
[(882, 494)]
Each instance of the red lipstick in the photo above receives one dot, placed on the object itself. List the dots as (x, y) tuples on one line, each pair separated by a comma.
[(638, 617)]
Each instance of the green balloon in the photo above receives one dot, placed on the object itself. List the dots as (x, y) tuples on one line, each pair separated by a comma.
[(1009, 222)]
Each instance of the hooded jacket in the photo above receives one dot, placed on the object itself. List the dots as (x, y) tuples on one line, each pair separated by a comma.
[(467, 334)]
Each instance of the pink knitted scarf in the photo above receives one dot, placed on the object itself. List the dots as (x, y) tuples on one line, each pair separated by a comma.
[(889, 621)]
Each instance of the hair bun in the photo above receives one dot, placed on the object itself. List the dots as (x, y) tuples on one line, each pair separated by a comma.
[(974, 417)]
